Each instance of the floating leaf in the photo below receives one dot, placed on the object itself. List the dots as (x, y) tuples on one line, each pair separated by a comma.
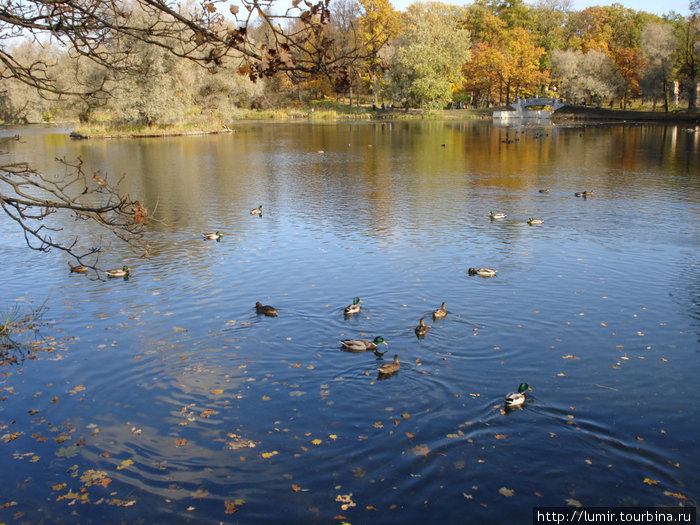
[(217, 391), (420, 450), (500, 436), (296, 488), (676, 495), (268, 455), (650, 481), (508, 493), (569, 356), (180, 442), (316, 442), (573, 502), (231, 507), (67, 452)]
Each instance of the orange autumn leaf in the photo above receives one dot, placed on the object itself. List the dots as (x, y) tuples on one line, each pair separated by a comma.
[(230, 507), (180, 442), (650, 481), (296, 488), (500, 436)]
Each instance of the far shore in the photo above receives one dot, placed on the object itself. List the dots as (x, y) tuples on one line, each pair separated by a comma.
[(567, 114)]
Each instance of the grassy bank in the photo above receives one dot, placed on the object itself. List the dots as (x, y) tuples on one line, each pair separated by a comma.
[(317, 112), (326, 111), (574, 113)]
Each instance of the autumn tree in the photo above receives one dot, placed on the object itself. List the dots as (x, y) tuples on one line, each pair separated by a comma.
[(379, 23), (427, 58)]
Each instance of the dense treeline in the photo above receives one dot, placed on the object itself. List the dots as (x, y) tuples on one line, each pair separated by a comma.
[(431, 55)]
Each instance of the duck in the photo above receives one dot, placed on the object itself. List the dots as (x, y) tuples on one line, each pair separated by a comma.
[(265, 309), (544, 190), (256, 211), (440, 312), (494, 215), (212, 236), (483, 272), (519, 397), (118, 272), (532, 221), (583, 194), (354, 307), (422, 328), (361, 345), (78, 268), (388, 369)]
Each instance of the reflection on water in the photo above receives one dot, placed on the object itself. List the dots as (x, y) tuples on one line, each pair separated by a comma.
[(192, 405)]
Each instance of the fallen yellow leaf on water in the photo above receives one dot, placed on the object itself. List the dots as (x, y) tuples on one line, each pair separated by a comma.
[(506, 492), (650, 481), (569, 357), (179, 329), (296, 488), (217, 391), (316, 442), (333, 436), (420, 450), (409, 435), (180, 442), (500, 436), (378, 424), (676, 495), (268, 455), (573, 502)]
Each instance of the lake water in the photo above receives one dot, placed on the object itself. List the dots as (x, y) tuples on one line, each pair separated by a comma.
[(166, 399)]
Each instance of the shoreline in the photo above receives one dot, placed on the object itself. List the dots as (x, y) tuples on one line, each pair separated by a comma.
[(568, 114)]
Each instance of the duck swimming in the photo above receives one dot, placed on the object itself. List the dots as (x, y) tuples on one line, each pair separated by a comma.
[(494, 215), (256, 211), (361, 345), (483, 272), (354, 307), (440, 312), (519, 397), (212, 236), (422, 328), (388, 369), (78, 268), (118, 272), (532, 221), (265, 309)]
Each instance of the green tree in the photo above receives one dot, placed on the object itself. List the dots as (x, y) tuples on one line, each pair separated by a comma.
[(428, 55)]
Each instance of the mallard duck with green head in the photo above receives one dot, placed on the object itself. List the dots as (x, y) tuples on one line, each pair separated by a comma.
[(388, 369), (483, 272), (439, 313), (532, 221), (422, 328), (212, 236), (354, 307), (78, 268), (265, 309), (361, 345), (118, 272), (497, 215), (517, 398), (256, 211)]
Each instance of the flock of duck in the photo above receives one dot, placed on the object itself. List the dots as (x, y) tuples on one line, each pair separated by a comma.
[(512, 399)]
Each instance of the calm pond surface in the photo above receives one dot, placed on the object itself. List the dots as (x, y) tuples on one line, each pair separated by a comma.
[(166, 399)]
